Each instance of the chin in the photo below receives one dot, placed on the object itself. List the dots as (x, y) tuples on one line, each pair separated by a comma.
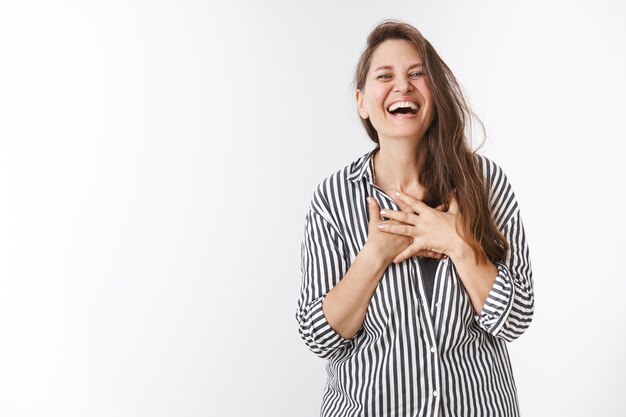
[(412, 134)]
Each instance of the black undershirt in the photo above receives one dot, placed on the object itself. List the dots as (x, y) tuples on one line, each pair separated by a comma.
[(428, 267)]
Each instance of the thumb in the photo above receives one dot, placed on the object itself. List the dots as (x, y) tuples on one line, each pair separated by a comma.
[(373, 208)]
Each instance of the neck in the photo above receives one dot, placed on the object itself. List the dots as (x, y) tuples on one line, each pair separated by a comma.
[(397, 166)]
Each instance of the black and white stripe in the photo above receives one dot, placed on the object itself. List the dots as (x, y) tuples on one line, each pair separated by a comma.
[(412, 358)]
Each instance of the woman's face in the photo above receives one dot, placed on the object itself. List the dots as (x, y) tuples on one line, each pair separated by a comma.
[(396, 75)]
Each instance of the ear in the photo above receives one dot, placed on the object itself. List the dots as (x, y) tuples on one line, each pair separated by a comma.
[(360, 106)]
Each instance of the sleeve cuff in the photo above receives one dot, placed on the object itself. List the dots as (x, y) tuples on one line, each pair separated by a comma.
[(499, 302), (321, 331)]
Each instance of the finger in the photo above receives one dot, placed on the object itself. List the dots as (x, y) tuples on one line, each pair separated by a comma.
[(418, 206), (405, 254), (374, 209), (398, 229), (403, 206), (430, 254), (401, 216)]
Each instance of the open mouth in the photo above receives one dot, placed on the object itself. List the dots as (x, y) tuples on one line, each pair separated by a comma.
[(403, 107)]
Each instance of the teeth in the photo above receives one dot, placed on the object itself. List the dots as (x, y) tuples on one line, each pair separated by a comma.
[(402, 104)]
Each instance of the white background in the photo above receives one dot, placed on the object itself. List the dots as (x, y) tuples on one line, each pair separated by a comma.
[(157, 159)]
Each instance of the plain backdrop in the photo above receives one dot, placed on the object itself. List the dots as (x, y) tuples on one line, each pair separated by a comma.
[(157, 159)]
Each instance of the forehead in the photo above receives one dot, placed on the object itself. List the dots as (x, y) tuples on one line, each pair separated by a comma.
[(395, 52)]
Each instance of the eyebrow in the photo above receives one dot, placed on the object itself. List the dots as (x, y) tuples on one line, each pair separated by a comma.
[(419, 64)]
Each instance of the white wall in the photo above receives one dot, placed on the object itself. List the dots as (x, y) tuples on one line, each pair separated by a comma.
[(157, 159)]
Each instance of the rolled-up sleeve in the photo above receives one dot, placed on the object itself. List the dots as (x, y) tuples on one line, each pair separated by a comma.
[(508, 310), (323, 264)]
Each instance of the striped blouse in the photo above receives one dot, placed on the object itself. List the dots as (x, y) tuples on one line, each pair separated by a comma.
[(411, 357)]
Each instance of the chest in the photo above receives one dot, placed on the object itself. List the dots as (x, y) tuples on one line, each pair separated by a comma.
[(406, 297)]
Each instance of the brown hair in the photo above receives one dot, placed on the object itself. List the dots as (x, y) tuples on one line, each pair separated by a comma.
[(449, 163)]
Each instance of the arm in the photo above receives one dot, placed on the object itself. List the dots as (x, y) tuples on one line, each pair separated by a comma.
[(333, 298), (500, 292), (477, 278), (508, 309), (346, 304)]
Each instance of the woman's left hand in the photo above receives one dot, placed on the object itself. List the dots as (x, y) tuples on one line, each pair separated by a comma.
[(433, 231)]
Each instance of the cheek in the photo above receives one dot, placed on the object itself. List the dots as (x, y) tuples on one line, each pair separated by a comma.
[(428, 98), (425, 90), (379, 97), (373, 106)]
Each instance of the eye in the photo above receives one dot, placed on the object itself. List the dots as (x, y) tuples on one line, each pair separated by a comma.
[(416, 74), (384, 75)]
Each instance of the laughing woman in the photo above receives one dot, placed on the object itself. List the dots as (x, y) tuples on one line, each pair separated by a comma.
[(415, 266)]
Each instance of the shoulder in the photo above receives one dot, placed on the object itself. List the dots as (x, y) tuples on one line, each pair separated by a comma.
[(501, 195), (331, 192), (492, 172)]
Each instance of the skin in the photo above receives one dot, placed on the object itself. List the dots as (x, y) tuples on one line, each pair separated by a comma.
[(417, 229)]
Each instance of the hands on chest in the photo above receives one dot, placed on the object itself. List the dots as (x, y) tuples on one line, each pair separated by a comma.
[(416, 230), (420, 230)]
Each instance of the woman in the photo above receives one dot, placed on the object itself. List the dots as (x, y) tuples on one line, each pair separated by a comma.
[(415, 268)]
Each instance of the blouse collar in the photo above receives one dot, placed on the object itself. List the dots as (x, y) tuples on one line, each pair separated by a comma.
[(362, 167)]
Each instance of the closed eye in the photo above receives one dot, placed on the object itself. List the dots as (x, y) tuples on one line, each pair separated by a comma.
[(414, 74)]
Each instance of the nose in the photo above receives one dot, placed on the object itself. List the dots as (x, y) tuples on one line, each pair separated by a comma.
[(403, 84)]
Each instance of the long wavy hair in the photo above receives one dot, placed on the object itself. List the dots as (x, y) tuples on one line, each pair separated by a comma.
[(449, 165)]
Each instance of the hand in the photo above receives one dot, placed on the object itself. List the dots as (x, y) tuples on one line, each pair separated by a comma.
[(432, 230), (423, 253), (386, 245)]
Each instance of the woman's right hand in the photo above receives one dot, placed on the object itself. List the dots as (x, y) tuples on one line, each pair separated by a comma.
[(385, 245)]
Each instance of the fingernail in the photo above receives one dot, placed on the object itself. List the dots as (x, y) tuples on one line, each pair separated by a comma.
[(383, 212), (369, 199), (397, 194)]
